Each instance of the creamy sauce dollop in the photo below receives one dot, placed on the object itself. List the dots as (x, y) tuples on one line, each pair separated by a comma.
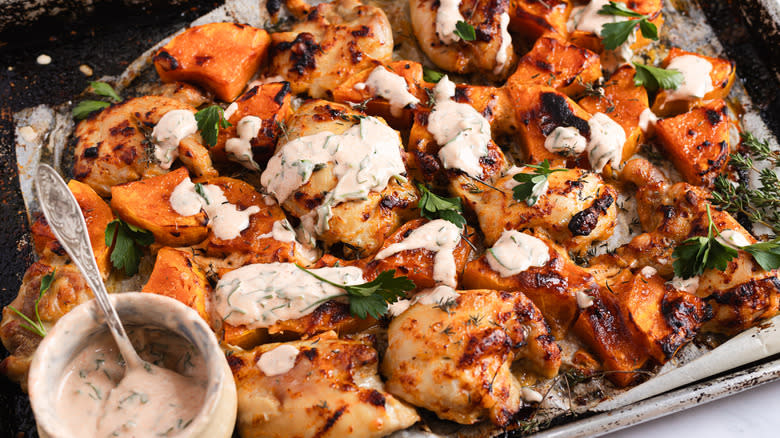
[(439, 236), (98, 397), (225, 219), (278, 361), (169, 131), (607, 138), (240, 149), (647, 121), (460, 129), (386, 84), (697, 81), (260, 295), (447, 17), (732, 238), (566, 140), (438, 295), (689, 285), (587, 19), (506, 39), (515, 252)]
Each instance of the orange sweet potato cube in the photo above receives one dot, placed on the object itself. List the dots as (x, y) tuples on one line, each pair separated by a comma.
[(221, 57), (557, 64), (534, 18), (269, 102), (722, 75), (176, 275), (624, 103), (146, 204), (697, 142)]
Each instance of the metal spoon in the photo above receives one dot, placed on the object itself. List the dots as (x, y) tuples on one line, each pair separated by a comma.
[(66, 221)]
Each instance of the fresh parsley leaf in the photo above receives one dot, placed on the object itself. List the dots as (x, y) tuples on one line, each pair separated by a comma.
[(465, 31), (615, 34), (200, 191), (697, 254), (432, 75), (766, 254), (433, 206), (87, 107), (373, 297), (105, 90), (125, 241), (654, 78), (530, 183), (29, 324), (209, 121)]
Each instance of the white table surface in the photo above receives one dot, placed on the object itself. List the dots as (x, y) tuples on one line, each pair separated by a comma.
[(754, 413)]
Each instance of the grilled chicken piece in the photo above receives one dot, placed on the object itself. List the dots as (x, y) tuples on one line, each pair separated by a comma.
[(332, 390), (577, 210), (491, 53), (357, 227), (454, 358), (111, 146), (740, 296), (332, 42)]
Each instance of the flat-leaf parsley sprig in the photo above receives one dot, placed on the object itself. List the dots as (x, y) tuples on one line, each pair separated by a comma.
[(615, 34), (433, 206), (125, 241), (373, 297), (697, 254), (87, 107), (530, 184), (37, 326), (209, 120), (465, 31), (654, 78)]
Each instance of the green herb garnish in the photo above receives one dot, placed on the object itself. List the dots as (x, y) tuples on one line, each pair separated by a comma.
[(125, 241), (86, 107), (433, 206), (209, 121), (29, 324), (615, 34), (373, 297), (654, 78), (432, 75), (105, 90), (465, 31), (202, 192), (530, 183)]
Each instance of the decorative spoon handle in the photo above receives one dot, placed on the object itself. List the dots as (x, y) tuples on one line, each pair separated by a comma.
[(67, 223)]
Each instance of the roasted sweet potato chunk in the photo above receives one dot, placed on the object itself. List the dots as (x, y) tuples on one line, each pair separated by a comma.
[(146, 204), (176, 275), (221, 57), (557, 64), (697, 142), (552, 287), (663, 318), (722, 75), (624, 103), (271, 104), (534, 18)]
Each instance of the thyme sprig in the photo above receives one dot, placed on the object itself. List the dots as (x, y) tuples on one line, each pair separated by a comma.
[(29, 324)]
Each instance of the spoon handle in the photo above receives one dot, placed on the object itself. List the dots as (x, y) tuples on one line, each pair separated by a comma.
[(67, 223)]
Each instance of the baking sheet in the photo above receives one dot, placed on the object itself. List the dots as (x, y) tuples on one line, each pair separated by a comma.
[(685, 30)]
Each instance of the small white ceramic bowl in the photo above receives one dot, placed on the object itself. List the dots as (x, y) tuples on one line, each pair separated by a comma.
[(72, 333)]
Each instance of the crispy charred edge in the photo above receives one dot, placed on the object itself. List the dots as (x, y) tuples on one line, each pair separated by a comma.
[(555, 111), (330, 315), (749, 298), (165, 60), (303, 51), (584, 222), (714, 167), (684, 314)]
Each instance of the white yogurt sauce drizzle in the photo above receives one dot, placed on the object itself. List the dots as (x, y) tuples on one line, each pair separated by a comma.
[(437, 295), (364, 159), (647, 121), (566, 140), (732, 238), (439, 236), (587, 19), (278, 361), (447, 17), (515, 252), (583, 300), (648, 271), (98, 397), (240, 149), (689, 285), (460, 129), (225, 219), (506, 39), (260, 295), (386, 84), (281, 231), (697, 81), (169, 131), (230, 110), (607, 138)]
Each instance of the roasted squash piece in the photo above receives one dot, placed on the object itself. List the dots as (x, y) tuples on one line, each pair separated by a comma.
[(553, 287), (624, 103), (604, 328), (697, 142), (534, 18), (722, 75), (221, 57), (557, 64), (271, 104), (539, 110), (411, 71), (663, 318), (417, 264), (146, 204), (176, 275)]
